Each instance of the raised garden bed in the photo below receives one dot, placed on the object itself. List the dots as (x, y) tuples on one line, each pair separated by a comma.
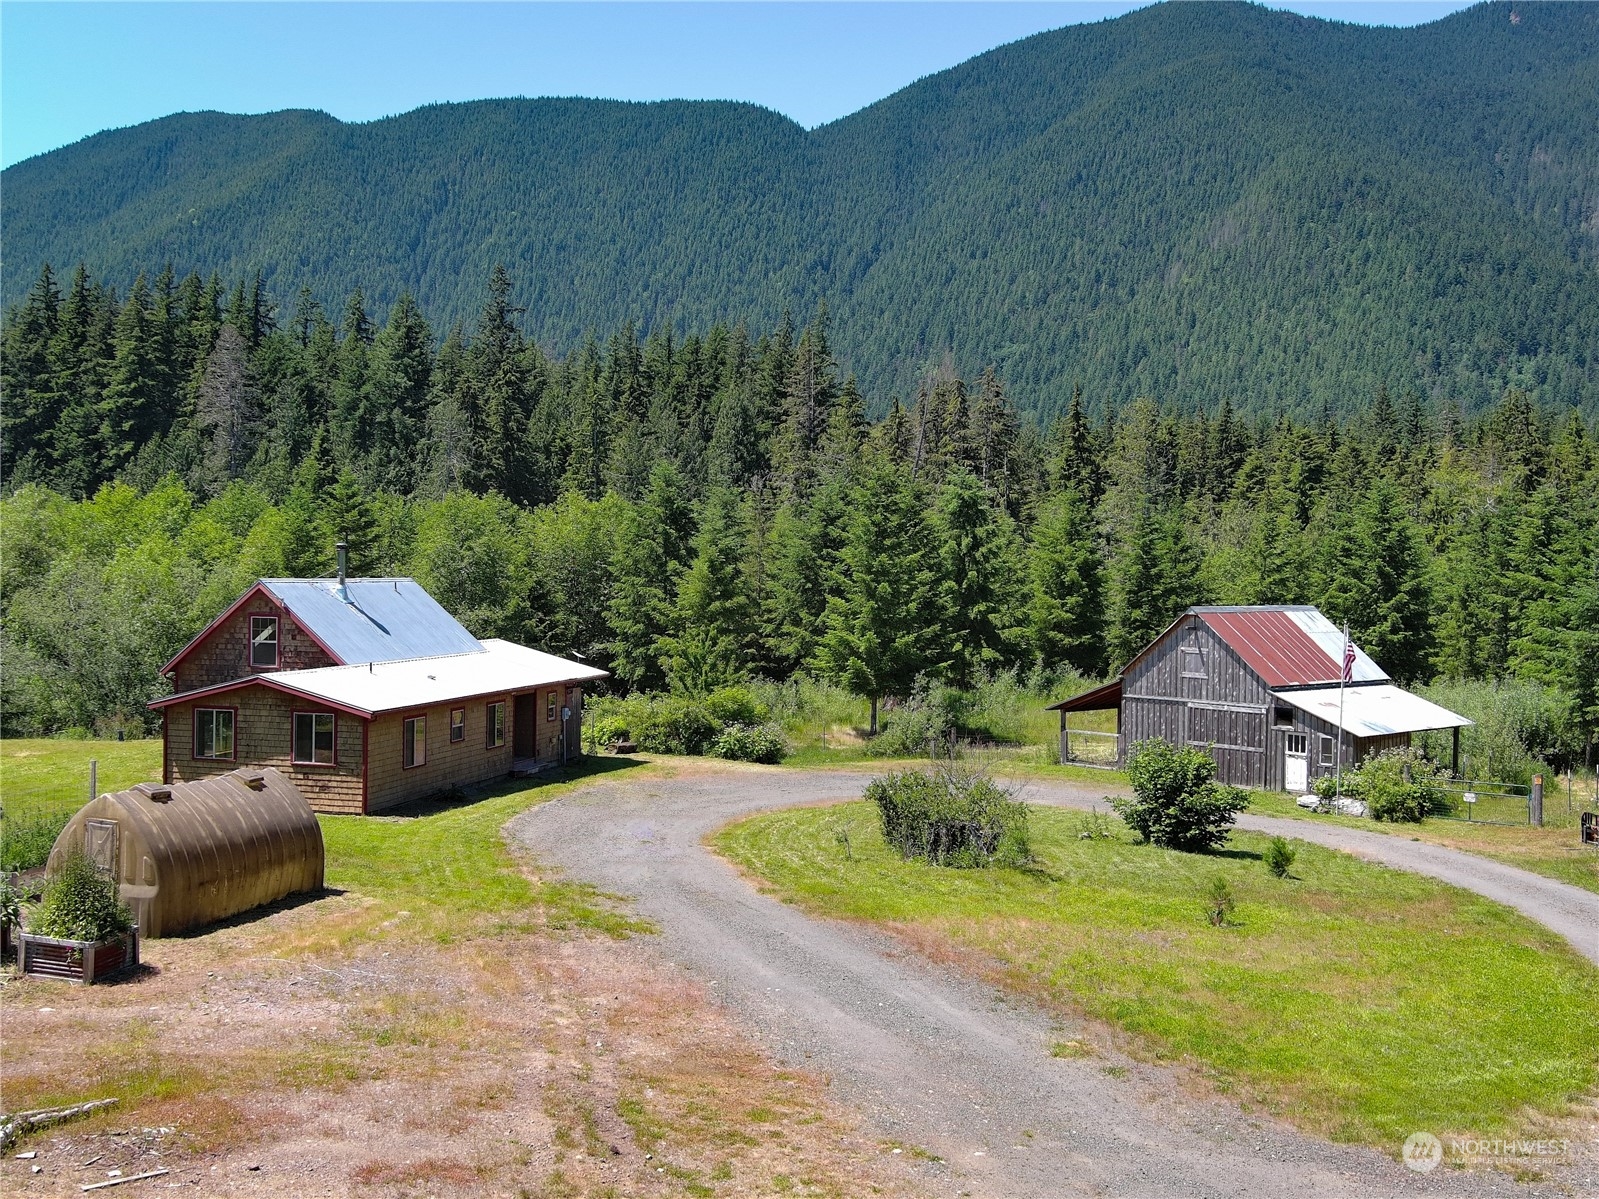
[(77, 961)]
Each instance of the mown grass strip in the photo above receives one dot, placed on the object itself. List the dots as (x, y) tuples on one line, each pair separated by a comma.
[(1359, 1002)]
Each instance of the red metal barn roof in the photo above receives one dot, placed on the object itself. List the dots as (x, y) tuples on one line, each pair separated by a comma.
[(1278, 645)]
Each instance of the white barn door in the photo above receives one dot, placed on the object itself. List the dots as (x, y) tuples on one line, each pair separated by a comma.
[(1296, 763)]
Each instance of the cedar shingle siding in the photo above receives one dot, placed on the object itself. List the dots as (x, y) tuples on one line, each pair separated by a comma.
[(468, 761), (224, 655)]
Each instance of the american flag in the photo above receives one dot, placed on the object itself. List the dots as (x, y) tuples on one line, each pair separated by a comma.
[(1349, 657)]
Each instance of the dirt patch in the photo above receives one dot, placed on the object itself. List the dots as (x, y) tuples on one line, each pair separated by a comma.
[(257, 1060)]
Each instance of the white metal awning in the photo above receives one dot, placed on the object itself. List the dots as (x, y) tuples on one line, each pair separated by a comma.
[(1375, 710)]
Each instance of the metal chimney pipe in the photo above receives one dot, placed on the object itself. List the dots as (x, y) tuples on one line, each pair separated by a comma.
[(344, 557)]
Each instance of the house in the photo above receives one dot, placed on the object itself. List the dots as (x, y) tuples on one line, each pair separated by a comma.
[(1258, 688), (365, 693)]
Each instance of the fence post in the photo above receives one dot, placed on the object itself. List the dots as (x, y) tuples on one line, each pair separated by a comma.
[(1535, 802), (94, 779)]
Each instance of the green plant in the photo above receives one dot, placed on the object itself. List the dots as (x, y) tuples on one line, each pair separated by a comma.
[(735, 705), (10, 903), (674, 724), (1279, 856), (916, 729), (1219, 901), (743, 743), (1397, 784), (80, 904), (951, 816), (1176, 803)]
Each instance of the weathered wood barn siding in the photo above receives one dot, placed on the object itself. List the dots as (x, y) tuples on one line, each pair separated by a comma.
[(263, 730)]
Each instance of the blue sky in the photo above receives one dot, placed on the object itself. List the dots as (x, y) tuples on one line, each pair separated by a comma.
[(71, 69)]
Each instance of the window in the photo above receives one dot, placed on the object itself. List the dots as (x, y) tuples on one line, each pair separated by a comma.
[(1326, 750), (457, 725), (414, 741), (213, 733), (496, 723), (1299, 744), (549, 706), (263, 641), (313, 738), (1193, 663), (1283, 718)]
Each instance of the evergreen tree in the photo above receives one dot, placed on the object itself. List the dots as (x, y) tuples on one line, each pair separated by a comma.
[(980, 580), (653, 546), (1066, 616), (400, 374), (713, 618)]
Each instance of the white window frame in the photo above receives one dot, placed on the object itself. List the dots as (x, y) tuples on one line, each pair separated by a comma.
[(1329, 756), (316, 720), (1304, 745), (414, 741), (208, 718), (256, 641), (494, 735)]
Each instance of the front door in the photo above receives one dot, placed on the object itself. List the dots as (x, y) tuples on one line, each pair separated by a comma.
[(1296, 763), (524, 726)]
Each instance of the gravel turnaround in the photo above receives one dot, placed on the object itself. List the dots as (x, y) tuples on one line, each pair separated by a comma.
[(932, 1057)]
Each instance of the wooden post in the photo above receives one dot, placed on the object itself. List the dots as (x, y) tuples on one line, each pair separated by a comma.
[(1065, 745), (94, 778), (1454, 752), (1535, 802)]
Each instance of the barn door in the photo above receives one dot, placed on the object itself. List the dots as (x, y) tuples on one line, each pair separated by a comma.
[(100, 844), (1296, 763)]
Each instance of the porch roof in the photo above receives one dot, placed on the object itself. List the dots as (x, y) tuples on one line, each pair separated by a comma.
[(1375, 710)]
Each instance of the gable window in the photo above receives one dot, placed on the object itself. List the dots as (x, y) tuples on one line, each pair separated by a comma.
[(263, 641), (1282, 718), (457, 725), (313, 739), (213, 733), (1193, 663), (496, 725), (414, 741), (1326, 750), (549, 706)]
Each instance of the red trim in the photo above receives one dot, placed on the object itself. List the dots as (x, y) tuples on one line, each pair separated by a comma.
[(488, 725), (166, 746), (257, 588), (277, 642), (405, 740), (194, 756), (294, 713), (273, 681), (454, 740), (366, 786)]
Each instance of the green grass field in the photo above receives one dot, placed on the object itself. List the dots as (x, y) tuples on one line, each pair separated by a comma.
[(1359, 1002), (44, 781)]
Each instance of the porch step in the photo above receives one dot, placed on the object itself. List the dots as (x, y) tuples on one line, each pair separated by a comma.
[(523, 768)]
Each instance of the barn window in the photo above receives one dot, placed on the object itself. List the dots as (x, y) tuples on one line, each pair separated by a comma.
[(313, 738), (457, 725), (263, 641), (1326, 750), (496, 714), (414, 741), (1283, 718), (549, 706), (1193, 663), (1299, 744), (213, 733)]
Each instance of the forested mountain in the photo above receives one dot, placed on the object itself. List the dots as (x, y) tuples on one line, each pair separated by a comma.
[(1193, 202)]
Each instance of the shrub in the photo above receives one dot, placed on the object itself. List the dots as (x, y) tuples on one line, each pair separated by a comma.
[(1279, 857), (951, 817), (917, 729), (744, 743), (675, 725), (26, 841), (1401, 785), (1176, 803), (734, 705), (1219, 901), (80, 904), (10, 902)]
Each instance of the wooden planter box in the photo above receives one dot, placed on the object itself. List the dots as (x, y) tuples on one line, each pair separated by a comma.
[(77, 961)]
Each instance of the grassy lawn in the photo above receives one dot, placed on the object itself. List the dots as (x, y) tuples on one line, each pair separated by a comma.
[(1552, 851), (43, 781), (1359, 1002)]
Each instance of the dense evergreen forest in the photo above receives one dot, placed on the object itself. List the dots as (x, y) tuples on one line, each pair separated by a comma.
[(686, 512), (1193, 202)]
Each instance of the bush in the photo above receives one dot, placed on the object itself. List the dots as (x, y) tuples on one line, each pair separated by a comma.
[(917, 729), (1219, 901), (951, 817), (26, 841), (734, 705), (80, 904), (1279, 857), (1176, 803), (1401, 785), (675, 725), (744, 743)]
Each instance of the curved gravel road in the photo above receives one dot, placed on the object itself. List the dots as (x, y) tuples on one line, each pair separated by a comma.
[(938, 1060)]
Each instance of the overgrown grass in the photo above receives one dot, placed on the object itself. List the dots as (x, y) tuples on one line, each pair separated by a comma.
[(1359, 1002), (43, 781)]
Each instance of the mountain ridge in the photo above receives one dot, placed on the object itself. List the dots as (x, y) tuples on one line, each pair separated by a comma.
[(1190, 202)]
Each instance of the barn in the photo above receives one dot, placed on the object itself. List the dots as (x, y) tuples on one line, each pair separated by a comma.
[(365, 693), (1258, 688)]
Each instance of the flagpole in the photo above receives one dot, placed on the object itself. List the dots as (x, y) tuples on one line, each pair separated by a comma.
[(1343, 677)]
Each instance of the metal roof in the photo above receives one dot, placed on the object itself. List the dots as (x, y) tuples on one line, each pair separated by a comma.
[(1288, 646), (370, 688), (1101, 698), (1375, 710), (384, 620)]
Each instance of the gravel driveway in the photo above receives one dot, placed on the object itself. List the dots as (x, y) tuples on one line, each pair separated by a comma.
[(940, 1061)]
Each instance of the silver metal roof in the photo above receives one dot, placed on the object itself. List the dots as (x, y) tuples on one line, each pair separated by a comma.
[(384, 620), (1375, 710)]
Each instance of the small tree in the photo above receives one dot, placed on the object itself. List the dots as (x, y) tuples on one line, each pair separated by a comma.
[(1176, 803), (81, 904), (1279, 857)]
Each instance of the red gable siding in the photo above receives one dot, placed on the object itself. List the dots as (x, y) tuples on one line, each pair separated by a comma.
[(1274, 647)]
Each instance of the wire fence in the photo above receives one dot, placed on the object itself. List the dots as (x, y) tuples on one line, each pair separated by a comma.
[(31, 817)]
